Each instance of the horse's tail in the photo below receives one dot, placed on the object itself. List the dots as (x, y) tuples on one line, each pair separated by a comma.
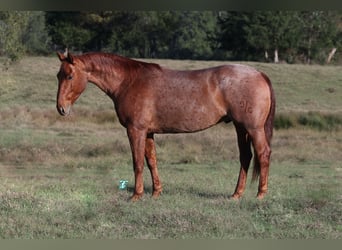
[(268, 127), (270, 118)]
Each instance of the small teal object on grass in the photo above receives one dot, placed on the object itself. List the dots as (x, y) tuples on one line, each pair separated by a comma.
[(123, 184)]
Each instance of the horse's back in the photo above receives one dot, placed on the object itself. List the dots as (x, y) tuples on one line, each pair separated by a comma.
[(186, 101)]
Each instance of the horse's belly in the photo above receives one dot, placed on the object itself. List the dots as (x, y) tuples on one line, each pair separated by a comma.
[(184, 119)]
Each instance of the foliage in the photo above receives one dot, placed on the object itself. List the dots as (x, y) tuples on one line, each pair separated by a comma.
[(12, 27), (260, 35), (291, 36), (23, 32), (79, 30), (35, 38), (297, 35), (320, 31), (171, 34)]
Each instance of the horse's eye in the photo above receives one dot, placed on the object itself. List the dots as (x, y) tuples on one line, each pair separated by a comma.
[(69, 77)]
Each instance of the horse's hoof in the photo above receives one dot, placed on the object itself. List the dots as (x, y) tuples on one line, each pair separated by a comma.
[(135, 197), (261, 195), (156, 194), (235, 197)]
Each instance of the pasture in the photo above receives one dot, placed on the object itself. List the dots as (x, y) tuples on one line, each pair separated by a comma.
[(59, 175)]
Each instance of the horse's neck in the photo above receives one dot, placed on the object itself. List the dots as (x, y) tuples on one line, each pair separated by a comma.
[(108, 81)]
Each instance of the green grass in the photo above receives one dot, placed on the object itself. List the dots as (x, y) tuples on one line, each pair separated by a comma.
[(59, 176)]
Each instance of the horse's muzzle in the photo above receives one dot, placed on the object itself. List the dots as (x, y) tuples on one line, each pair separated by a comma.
[(64, 111)]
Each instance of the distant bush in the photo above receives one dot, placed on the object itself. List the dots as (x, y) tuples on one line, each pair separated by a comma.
[(314, 120), (284, 121), (320, 121)]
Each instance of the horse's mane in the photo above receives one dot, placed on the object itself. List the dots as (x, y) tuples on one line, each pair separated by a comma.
[(107, 62)]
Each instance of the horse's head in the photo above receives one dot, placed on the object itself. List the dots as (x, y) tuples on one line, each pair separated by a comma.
[(72, 81)]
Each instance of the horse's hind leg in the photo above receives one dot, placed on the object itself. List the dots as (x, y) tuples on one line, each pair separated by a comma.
[(262, 153), (151, 158), (244, 144)]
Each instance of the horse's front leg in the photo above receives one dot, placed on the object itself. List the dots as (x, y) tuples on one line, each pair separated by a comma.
[(151, 158), (137, 140)]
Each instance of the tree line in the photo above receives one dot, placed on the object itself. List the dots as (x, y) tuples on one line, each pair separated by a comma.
[(272, 36)]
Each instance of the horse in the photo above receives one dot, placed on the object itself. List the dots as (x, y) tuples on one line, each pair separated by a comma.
[(150, 99)]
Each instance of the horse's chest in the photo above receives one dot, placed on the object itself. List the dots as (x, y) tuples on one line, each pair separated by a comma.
[(134, 109)]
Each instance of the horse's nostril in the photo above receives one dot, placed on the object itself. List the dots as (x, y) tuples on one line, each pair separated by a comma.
[(61, 110)]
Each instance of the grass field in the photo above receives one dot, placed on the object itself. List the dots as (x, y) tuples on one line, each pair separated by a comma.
[(59, 176)]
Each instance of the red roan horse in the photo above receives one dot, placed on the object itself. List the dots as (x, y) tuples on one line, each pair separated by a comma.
[(151, 99)]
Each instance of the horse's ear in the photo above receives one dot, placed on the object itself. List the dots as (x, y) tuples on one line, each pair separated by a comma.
[(70, 58), (61, 56)]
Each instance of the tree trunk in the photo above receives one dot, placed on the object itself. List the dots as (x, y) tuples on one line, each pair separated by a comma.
[(331, 54), (276, 58), (308, 61)]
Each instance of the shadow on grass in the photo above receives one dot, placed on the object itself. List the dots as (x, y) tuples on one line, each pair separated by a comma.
[(183, 191)]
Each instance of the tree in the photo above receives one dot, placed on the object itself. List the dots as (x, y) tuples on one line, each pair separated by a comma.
[(320, 34), (233, 35), (63, 28), (74, 30), (12, 28), (273, 31), (292, 35), (35, 37), (100, 26), (251, 35), (195, 35), (127, 35), (171, 34)]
